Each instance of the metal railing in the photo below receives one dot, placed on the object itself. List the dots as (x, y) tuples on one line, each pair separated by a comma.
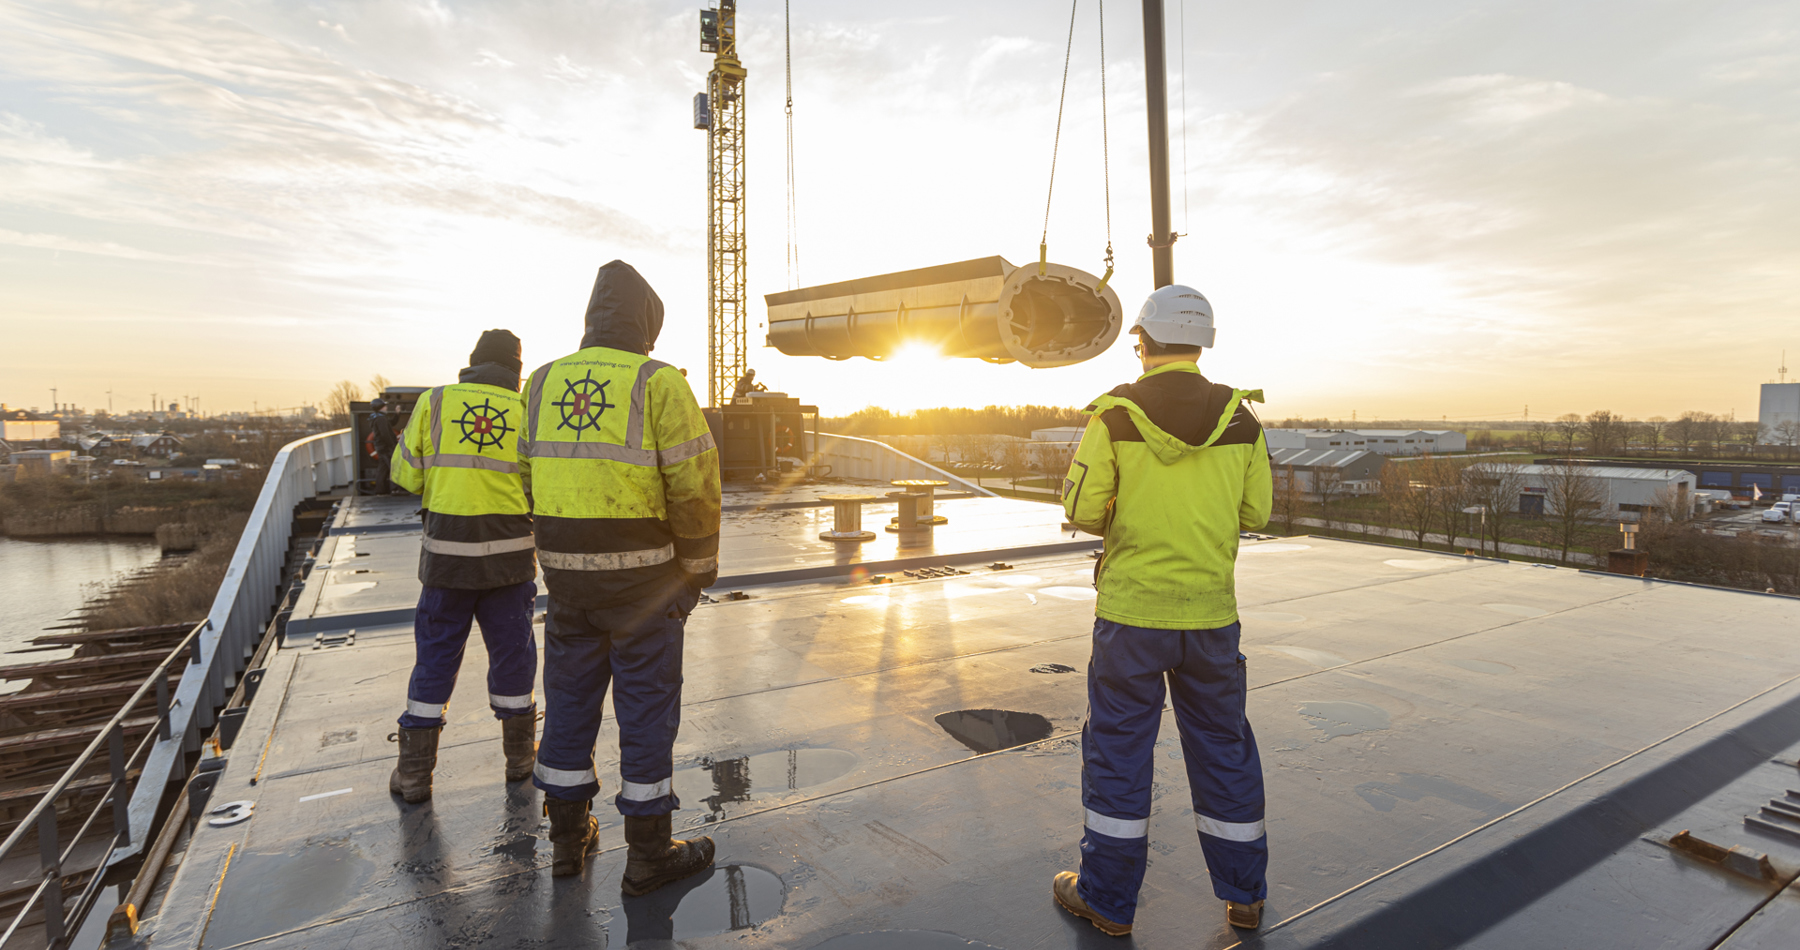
[(218, 650), (60, 923)]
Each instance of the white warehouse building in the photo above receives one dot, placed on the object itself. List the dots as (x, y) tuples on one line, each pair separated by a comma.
[(1624, 494), (1379, 441)]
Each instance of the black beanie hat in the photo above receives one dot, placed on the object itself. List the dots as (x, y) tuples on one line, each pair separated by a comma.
[(498, 346)]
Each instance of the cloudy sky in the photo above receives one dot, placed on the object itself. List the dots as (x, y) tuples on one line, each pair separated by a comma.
[(1403, 208)]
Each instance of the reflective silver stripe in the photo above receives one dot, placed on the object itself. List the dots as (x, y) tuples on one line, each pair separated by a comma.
[(511, 702), (424, 710), (634, 423), (457, 460), (410, 459), (639, 792), (618, 561), (480, 548), (437, 419), (564, 778), (1229, 830), (686, 450), (699, 565), (1118, 827), (594, 450), (532, 402)]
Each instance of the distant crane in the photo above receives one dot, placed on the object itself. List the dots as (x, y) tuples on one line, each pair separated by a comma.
[(720, 111)]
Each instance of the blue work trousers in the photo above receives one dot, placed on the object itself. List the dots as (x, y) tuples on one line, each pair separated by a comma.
[(441, 631), (638, 650), (1131, 671)]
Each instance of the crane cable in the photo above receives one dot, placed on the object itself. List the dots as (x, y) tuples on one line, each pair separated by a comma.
[(793, 216), (1056, 145)]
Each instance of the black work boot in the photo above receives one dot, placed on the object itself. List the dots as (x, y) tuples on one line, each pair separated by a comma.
[(518, 738), (418, 756), (653, 858), (574, 833)]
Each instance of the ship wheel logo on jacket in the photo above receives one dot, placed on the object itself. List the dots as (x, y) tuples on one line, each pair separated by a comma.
[(582, 404), (485, 425)]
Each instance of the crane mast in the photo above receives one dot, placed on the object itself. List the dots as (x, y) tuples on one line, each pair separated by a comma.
[(723, 115)]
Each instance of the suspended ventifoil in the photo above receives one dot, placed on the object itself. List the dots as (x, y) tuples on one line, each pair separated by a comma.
[(984, 308)]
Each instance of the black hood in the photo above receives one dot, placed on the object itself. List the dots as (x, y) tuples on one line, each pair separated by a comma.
[(491, 374), (623, 313)]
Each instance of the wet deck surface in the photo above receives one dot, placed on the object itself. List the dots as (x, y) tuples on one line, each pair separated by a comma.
[(843, 743)]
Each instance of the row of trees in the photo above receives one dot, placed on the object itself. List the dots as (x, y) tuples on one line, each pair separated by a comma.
[(987, 421), (338, 400), (1455, 498), (1604, 432)]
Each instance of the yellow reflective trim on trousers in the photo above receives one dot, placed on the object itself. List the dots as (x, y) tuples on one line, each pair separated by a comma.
[(479, 548), (611, 561)]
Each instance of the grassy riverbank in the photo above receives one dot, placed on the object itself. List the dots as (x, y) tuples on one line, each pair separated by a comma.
[(123, 504)]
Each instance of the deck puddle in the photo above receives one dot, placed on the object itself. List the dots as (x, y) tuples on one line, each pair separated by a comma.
[(903, 940), (266, 894), (1345, 718), (990, 730), (715, 783), (724, 899)]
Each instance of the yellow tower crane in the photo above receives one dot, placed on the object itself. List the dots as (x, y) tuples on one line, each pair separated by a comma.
[(720, 111)]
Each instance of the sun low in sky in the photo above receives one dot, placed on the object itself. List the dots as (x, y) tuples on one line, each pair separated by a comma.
[(1399, 208)]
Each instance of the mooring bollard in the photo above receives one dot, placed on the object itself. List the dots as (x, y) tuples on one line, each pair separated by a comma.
[(846, 518)]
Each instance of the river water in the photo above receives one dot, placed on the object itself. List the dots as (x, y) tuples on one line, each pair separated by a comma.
[(42, 581)]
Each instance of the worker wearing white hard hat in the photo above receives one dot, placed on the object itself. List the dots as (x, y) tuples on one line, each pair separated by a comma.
[(1170, 469)]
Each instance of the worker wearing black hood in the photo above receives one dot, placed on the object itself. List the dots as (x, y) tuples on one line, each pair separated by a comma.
[(462, 455), (625, 500)]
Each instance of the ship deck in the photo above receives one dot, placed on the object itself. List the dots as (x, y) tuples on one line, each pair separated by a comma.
[(1459, 752)]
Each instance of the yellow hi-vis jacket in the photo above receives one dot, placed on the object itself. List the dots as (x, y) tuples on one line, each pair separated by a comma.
[(1169, 470), (625, 479), (461, 453)]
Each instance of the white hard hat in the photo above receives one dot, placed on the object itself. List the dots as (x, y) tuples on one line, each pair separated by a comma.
[(1176, 315)]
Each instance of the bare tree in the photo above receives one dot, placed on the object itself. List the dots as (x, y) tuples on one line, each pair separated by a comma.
[(1601, 429), (1496, 486), (1654, 428), (379, 384), (1289, 496), (1015, 455), (1409, 498), (1568, 429), (1451, 495), (1328, 485), (338, 400), (1539, 432), (1786, 432), (1573, 498), (1688, 429)]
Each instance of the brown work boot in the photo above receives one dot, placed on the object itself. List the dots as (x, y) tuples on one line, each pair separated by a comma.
[(418, 756), (1069, 898), (1245, 916), (653, 858), (518, 739), (573, 832)]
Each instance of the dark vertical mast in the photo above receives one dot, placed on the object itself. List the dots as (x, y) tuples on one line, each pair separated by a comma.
[(1156, 103)]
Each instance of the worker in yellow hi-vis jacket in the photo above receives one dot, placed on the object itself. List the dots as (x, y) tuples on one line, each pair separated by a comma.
[(460, 453), (625, 500), (1170, 469)]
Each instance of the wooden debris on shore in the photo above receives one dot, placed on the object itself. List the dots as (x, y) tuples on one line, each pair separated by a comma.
[(65, 702)]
